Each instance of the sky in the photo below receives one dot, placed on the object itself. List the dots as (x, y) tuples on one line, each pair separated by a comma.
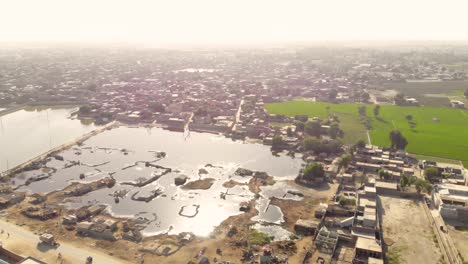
[(231, 21)]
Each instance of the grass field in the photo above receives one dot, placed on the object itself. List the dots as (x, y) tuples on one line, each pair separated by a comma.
[(446, 138), (347, 114), (420, 90)]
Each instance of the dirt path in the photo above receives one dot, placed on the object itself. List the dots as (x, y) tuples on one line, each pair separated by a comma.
[(25, 243)]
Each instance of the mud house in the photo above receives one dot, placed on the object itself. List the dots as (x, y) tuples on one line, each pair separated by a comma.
[(10, 199), (306, 227), (95, 230)]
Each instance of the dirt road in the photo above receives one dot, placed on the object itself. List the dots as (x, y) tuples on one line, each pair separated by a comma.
[(24, 242)]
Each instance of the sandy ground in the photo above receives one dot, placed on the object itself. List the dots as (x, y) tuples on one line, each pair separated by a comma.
[(25, 243), (460, 238), (407, 232), (304, 209)]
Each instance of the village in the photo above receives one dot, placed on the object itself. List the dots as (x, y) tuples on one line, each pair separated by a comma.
[(359, 203), (352, 223)]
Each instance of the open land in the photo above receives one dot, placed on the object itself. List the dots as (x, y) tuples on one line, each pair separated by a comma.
[(436, 131), (407, 232), (423, 91)]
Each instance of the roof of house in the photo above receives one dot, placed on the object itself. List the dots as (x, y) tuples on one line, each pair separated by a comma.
[(368, 244), (386, 185)]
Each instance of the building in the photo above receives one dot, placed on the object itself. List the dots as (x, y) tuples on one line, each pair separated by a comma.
[(452, 201)]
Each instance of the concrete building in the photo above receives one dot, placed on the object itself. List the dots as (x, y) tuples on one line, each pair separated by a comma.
[(452, 201)]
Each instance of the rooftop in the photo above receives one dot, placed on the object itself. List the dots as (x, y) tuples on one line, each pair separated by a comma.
[(368, 244)]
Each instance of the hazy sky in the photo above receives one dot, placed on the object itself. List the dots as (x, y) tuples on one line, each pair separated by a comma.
[(233, 21)]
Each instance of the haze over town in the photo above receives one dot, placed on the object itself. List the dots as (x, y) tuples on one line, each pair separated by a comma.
[(233, 132)]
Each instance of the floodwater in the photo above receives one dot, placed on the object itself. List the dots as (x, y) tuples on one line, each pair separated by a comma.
[(123, 152), (27, 133)]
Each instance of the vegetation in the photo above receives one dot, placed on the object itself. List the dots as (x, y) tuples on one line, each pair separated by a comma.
[(277, 142), (313, 128), (345, 201), (397, 140), (432, 174), (322, 146), (335, 131), (394, 255), (301, 118), (258, 238), (376, 110), (362, 110), (360, 144), (312, 171), (446, 138), (85, 109), (383, 174), (345, 161), (419, 184), (419, 90)]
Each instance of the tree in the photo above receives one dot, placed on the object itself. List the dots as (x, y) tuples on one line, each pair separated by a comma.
[(302, 118), (407, 180), (409, 117), (363, 179), (345, 161), (397, 140), (432, 174), (289, 132), (312, 171), (157, 107), (421, 185), (365, 97), (362, 110), (335, 131), (312, 144), (376, 110), (360, 144), (299, 126), (399, 99), (277, 142), (332, 94), (318, 146), (85, 109), (383, 174), (313, 128)]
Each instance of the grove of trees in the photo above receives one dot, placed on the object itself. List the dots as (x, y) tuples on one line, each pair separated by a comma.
[(397, 140)]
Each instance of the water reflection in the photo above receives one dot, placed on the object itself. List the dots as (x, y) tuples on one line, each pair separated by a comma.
[(32, 131), (134, 155)]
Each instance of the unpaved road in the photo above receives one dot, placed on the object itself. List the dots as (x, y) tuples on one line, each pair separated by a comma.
[(24, 243)]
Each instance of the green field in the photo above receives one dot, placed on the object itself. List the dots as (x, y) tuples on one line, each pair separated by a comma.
[(445, 138), (422, 91)]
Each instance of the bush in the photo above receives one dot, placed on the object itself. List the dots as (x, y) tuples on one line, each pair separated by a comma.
[(258, 238), (313, 170)]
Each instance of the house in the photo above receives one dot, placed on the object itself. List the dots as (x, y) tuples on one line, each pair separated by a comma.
[(69, 220), (306, 227), (345, 178), (457, 104), (367, 248), (452, 201), (368, 167), (10, 199)]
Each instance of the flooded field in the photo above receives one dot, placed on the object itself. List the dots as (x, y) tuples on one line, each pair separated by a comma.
[(146, 164), (29, 132)]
